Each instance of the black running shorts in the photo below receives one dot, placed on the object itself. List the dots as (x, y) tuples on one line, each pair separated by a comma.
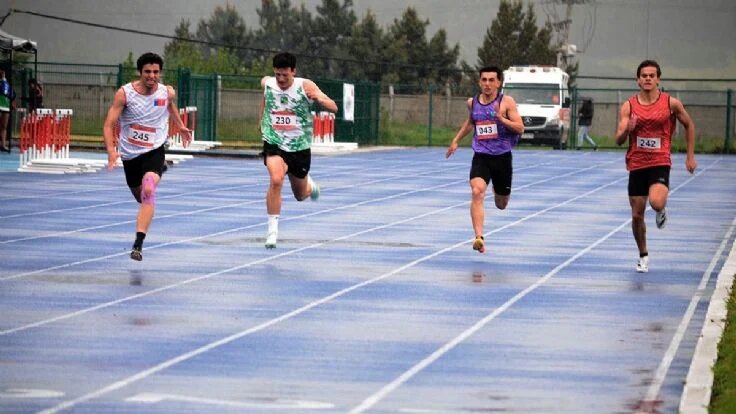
[(151, 161), (641, 180), (298, 162), (493, 168)]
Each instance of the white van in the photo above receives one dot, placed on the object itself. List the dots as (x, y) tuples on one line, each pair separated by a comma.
[(543, 101)]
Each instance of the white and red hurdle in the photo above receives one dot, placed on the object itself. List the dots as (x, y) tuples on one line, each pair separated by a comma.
[(45, 136), (324, 127), (324, 134), (189, 117)]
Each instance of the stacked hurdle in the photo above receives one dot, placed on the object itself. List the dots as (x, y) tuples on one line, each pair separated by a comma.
[(45, 135), (324, 127), (189, 118), (324, 134)]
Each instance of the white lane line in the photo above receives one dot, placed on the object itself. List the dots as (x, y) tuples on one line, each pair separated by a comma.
[(270, 404), (129, 201), (191, 354), (189, 212), (373, 399), (178, 177), (232, 230), (405, 376), (25, 393), (289, 252), (238, 267)]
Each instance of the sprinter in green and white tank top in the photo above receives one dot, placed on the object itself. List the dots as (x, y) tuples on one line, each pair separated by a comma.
[(287, 131)]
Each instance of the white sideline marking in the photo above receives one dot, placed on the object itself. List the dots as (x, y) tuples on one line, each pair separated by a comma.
[(699, 381), (669, 355), (277, 403)]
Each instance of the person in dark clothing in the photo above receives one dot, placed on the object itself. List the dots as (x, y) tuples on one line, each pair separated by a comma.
[(35, 92), (585, 120)]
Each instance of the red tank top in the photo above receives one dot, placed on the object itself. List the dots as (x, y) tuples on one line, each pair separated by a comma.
[(651, 139)]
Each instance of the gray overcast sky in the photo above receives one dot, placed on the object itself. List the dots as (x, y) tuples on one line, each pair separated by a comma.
[(689, 38)]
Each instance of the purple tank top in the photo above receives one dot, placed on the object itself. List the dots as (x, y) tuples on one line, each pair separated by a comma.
[(489, 135)]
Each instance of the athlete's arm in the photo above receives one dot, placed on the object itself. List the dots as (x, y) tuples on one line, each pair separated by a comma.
[(186, 133), (113, 114), (314, 93), (462, 132), (509, 115), (624, 124), (679, 110)]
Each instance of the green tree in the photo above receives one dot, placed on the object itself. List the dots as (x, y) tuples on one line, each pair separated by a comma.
[(224, 27), (407, 47), (282, 26), (182, 53), (442, 59), (365, 44), (515, 39), (416, 60), (332, 29)]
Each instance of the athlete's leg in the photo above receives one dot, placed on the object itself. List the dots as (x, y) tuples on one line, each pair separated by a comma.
[(146, 196), (502, 201), (638, 226), (277, 171), (301, 187), (478, 188), (658, 196)]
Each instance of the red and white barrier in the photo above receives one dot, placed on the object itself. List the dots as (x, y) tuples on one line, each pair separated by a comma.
[(189, 117), (324, 134), (45, 135), (324, 127)]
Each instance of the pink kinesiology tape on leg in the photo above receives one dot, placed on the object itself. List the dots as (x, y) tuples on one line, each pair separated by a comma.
[(148, 190)]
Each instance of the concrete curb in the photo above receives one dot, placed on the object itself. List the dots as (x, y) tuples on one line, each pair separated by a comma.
[(699, 382)]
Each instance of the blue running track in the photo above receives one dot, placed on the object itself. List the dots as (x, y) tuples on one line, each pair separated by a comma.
[(373, 301)]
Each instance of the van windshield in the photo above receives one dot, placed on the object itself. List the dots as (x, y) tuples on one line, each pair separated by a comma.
[(533, 93)]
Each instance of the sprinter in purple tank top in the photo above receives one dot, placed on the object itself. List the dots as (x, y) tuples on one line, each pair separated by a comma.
[(496, 127)]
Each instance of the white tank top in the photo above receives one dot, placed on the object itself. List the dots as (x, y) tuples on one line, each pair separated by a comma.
[(144, 123)]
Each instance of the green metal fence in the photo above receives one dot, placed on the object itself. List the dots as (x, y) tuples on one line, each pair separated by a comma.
[(424, 114), (227, 105)]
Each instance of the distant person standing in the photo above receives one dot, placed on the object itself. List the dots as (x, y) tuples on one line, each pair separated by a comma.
[(648, 120), (35, 98), (496, 126), (7, 103), (287, 132), (143, 109), (585, 121)]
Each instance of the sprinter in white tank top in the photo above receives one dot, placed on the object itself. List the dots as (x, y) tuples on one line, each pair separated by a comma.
[(142, 110)]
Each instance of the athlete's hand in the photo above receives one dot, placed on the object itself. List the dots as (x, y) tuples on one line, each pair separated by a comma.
[(186, 136), (112, 159), (691, 164), (451, 149), (632, 123)]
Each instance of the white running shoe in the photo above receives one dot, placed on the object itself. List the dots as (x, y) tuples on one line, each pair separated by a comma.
[(314, 195), (271, 239), (642, 266), (661, 218)]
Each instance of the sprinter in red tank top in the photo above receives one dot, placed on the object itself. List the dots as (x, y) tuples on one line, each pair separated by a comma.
[(647, 120)]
